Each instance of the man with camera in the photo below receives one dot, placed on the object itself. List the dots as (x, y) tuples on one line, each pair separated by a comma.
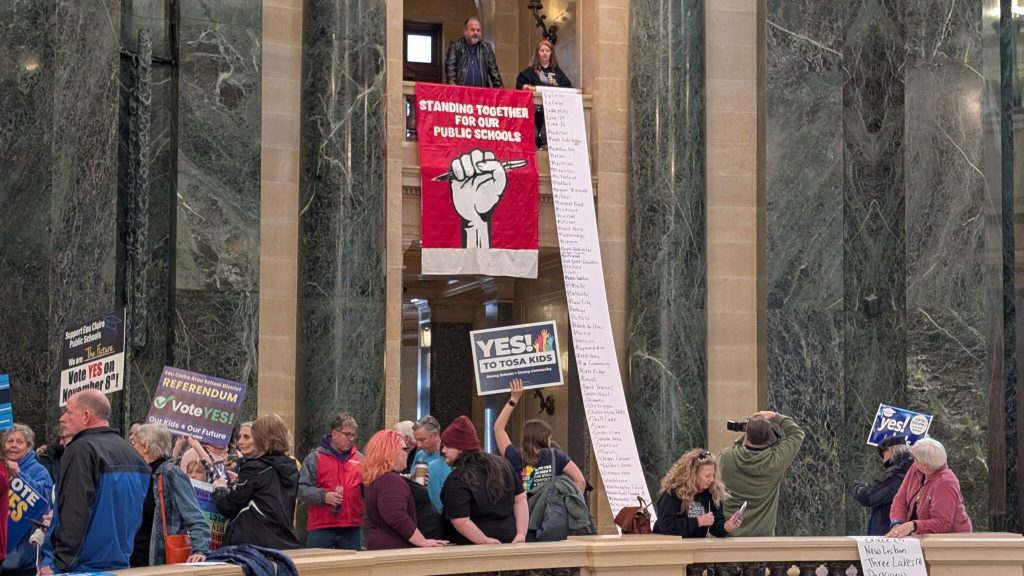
[(753, 467)]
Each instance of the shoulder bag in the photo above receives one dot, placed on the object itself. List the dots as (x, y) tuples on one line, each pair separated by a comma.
[(177, 547), (634, 519)]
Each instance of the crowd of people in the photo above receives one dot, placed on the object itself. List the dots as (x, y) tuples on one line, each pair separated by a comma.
[(118, 503)]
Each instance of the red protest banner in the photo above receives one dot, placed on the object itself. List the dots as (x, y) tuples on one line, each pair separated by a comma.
[(478, 173)]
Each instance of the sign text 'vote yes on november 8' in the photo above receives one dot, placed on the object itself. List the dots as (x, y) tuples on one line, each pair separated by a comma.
[(93, 356)]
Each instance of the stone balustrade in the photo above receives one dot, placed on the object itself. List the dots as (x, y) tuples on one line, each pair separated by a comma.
[(993, 554)]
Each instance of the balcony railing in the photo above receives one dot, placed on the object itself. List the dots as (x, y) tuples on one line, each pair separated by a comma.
[(945, 555), (409, 90)]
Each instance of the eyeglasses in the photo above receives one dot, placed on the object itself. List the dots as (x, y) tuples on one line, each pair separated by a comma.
[(349, 435), (704, 455)]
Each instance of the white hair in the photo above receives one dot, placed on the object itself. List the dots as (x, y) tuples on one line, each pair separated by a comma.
[(930, 452), (405, 428), (157, 438)]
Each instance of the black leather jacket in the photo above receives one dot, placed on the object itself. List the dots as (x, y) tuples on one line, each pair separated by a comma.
[(456, 63)]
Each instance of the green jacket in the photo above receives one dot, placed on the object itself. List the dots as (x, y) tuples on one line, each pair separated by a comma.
[(754, 476)]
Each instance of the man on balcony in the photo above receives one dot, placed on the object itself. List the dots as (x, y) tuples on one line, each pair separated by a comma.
[(753, 467), (470, 61)]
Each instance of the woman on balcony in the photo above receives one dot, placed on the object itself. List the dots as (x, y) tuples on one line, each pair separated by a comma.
[(690, 504), (543, 70), (929, 500), (390, 508)]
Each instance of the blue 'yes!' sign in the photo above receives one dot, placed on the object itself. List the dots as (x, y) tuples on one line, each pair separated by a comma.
[(526, 351), (894, 421)]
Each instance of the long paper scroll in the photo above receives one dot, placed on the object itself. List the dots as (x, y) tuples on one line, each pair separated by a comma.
[(576, 220)]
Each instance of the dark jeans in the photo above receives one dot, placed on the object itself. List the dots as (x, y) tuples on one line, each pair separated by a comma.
[(337, 538)]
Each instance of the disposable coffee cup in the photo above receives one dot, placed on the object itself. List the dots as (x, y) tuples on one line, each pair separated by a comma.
[(420, 473)]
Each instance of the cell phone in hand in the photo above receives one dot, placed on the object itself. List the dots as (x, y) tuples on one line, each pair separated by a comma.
[(738, 515), (219, 472)]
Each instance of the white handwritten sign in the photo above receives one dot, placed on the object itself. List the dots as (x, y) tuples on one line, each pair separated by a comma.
[(576, 220), (890, 556)]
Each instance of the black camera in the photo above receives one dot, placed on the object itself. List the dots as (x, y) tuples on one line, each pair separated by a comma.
[(736, 425)]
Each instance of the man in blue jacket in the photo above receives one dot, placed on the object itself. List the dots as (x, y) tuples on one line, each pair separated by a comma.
[(102, 485)]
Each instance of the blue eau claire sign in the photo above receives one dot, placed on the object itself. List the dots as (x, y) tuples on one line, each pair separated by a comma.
[(894, 421), (527, 351)]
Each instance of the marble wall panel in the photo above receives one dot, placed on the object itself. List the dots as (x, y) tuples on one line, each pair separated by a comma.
[(911, 312), (882, 381), (26, 141), (946, 31), (805, 363), (341, 228), (804, 225), (804, 203), (218, 191), (874, 276), (946, 300), (909, 276), (83, 267), (667, 359)]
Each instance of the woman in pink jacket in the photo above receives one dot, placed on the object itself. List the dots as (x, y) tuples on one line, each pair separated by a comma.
[(929, 500)]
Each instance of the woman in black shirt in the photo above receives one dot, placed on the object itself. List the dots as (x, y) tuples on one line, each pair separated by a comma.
[(482, 498), (690, 504), (543, 70), (536, 462)]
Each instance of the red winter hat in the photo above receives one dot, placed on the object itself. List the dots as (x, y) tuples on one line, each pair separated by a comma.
[(461, 435)]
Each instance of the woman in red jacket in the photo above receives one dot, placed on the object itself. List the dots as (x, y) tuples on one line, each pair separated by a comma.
[(390, 509), (929, 500)]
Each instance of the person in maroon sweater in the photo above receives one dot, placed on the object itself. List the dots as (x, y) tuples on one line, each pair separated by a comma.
[(929, 500), (390, 509)]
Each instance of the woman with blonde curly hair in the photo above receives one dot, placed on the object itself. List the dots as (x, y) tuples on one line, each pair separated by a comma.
[(690, 504)]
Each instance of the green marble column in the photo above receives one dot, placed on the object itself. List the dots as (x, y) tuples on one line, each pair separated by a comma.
[(667, 257), (341, 220)]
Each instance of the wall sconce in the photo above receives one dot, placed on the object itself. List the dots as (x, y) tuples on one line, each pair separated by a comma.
[(550, 33), (425, 336), (547, 404)]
